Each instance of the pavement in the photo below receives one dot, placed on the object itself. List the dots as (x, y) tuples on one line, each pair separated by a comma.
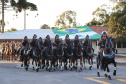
[(13, 73)]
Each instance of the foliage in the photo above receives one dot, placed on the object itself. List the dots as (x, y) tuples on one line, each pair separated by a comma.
[(117, 22), (45, 26), (12, 29), (23, 5), (66, 20)]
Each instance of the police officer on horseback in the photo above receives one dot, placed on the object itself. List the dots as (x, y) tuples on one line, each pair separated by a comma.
[(40, 43), (85, 44), (56, 43), (46, 44), (101, 43), (76, 41), (24, 42), (32, 44), (67, 41)]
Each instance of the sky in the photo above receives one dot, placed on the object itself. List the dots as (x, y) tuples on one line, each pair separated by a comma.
[(49, 9)]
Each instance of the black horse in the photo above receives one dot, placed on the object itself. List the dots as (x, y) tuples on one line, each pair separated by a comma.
[(107, 57), (68, 54), (49, 57), (36, 55)]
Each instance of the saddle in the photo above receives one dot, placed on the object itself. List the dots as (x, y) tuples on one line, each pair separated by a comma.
[(109, 56)]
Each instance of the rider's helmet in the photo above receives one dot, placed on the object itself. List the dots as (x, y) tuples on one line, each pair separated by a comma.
[(34, 35), (40, 38), (25, 37), (104, 33)]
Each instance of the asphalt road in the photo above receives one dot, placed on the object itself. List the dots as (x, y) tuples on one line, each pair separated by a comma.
[(12, 73)]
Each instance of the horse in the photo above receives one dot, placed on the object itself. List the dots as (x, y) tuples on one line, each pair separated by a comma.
[(106, 57), (49, 57), (68, 54), (36, 55), (88, 54), (60, 55), (24, 56), (78, 54)]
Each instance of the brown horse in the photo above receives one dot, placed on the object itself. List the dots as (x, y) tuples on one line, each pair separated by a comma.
[(25, 56), (78, 54), (89, 54), (60, 55)]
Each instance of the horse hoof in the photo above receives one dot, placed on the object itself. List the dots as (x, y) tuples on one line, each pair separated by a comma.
[(33, 68), (105, 75), (109, 77), (36, 70), (81, 69), (26, 69), (89, 68), (114, 73), (71, 69), (98, 74), (21, 65)]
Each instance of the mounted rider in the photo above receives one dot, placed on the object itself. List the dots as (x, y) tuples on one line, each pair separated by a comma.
[(67, 41), (40, 43), (46, 44), (76, 41), (24, 43), (32, 44), (85, 45), (56, 43), (101, 43)]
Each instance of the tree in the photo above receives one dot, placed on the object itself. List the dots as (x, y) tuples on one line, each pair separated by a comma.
[(101, 15), (23, 5), (45, 26), (66, 20), (12, 29), (117, 22)]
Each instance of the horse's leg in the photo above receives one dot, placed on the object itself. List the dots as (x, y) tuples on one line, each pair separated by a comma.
[(89, 63), (71, 66), (25, 63), (98, 74), (61, 64), (105, 70), (109, 77), (33, 64), (81, 65), (114, 73)]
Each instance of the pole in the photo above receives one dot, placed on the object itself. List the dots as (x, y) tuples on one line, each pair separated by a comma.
[(24, 19), (2, 16)]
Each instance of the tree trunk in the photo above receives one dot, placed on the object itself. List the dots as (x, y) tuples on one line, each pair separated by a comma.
[(2, 16), (24, 19)]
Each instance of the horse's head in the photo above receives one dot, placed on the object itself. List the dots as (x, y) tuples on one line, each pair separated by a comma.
[(79, 49), (108, 45), (50, 48), (89, 47), (37, 47)]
